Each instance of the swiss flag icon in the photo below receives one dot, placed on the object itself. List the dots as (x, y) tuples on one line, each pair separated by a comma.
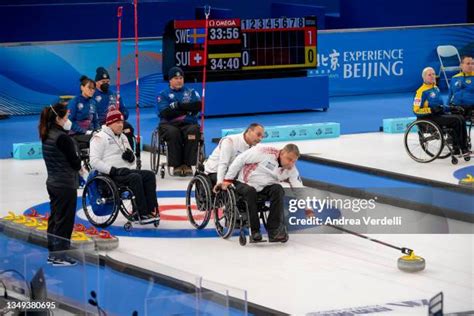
[(197, 58)]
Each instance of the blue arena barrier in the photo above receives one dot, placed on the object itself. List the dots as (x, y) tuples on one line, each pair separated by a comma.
[(397, 125), (294, 132), (32, 150)]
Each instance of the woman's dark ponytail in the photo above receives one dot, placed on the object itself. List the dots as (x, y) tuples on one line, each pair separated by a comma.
[(48, 118)]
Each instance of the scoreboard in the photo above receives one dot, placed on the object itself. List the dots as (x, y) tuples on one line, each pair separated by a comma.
[(240, 46)]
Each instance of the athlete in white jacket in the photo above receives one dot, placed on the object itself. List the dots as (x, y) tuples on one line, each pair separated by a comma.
[(230, 147), (110, 153), (260, 171)]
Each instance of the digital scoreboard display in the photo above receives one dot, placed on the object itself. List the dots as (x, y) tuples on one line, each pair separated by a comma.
[(240, 46)]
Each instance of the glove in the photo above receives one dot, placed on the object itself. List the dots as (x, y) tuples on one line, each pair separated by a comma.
[(119, 172), (437, 110), (174, 105), (128, 156), (457, 109)]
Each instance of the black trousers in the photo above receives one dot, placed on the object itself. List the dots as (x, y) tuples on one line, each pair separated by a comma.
[(455, 122), (213, 178), (63, 203), (182, 141), (143, 185), (273, 193)]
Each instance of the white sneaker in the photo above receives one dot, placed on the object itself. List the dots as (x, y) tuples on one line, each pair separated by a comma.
[(63, 262)]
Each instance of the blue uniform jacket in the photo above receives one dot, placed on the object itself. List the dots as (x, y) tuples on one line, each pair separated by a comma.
[(83, 114), (104, 101), (461, 90), (189, 105)]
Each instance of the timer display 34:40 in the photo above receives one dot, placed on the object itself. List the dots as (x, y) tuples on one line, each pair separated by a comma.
[(225, 63)]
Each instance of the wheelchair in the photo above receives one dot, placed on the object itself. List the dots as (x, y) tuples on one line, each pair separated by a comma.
[(106, 200), (159, 150), (426, 141), (231, 212)]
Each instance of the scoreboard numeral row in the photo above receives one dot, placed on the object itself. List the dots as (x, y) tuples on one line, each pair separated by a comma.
[(278, 23)]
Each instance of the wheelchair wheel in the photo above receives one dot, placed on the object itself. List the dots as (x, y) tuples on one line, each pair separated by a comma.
[(199, 190), (201, 155), (242, 238), (424, 141), (127, 205), (127, 226), (225, 211), (155, 151), (101, 194)]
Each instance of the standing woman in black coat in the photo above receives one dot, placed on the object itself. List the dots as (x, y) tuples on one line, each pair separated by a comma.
[(61, 156)]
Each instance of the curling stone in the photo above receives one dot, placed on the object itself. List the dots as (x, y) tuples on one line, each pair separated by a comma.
[(411, 263), (5, 221), (40, 234), (103, 239), (17, 229), (80, 240)]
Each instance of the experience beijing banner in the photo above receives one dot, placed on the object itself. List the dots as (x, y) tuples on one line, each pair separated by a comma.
[(385, 60)]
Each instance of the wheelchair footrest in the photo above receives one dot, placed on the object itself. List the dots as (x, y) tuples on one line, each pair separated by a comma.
[(140, 222), (252, 241)]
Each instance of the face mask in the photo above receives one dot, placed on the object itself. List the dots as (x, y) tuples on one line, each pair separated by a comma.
[(104, 87), (67, 125)]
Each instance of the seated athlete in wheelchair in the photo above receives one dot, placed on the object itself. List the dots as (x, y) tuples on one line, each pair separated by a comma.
[(461, 92), (201, 187), (436, 133), (178, 108), (461, 88), (83, 114), (260, 170), (112, 157)]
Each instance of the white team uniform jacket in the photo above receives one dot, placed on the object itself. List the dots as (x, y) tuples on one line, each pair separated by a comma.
[(229, 147), (106, 151), (258, 167)]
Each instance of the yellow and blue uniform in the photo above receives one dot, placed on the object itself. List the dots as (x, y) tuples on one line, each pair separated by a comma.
[(461, 90), (428, 105), (427, 100)]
